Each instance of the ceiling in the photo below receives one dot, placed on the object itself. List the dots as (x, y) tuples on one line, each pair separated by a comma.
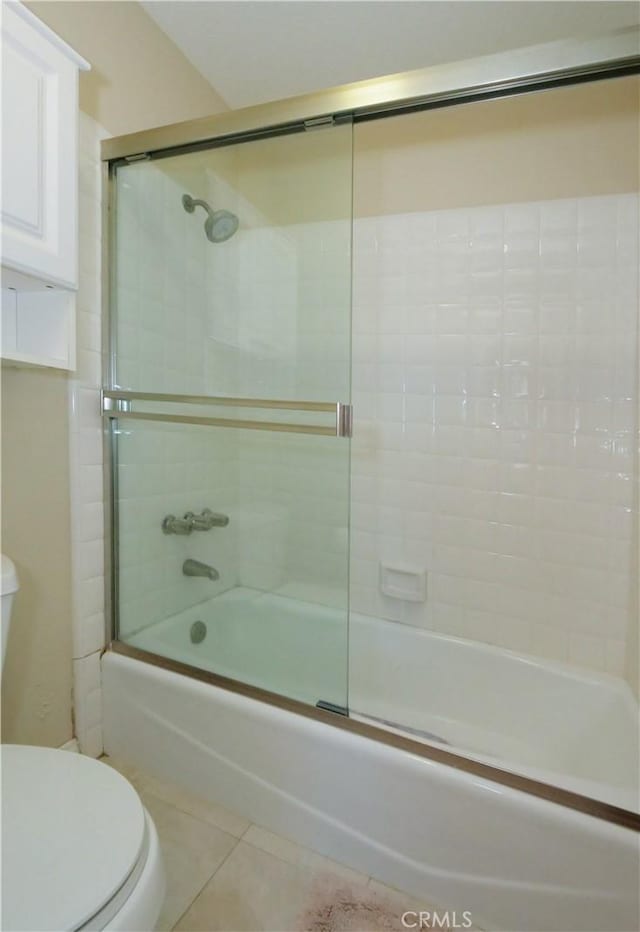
[(252, 52)]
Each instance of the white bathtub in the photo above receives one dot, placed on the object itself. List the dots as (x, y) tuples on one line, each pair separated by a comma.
[(549, 721), (541, 719), (517, 861)]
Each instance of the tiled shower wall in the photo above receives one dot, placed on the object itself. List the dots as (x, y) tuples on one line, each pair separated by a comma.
[(299, 484), (256, 316), (85, 454), (495, 395), (164, 285), (494, 386)]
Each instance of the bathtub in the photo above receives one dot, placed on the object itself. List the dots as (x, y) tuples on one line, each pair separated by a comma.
[(518, 862), (539, 718)]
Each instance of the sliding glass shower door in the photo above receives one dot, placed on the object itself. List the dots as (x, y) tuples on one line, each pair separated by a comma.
[(229, 403)]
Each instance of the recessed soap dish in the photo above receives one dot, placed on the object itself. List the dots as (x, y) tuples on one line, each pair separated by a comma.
[(403, 581)]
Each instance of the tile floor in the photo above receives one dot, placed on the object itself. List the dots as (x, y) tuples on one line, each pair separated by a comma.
[(224, 874)]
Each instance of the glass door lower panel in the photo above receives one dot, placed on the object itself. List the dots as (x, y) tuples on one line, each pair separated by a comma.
[(263, 598)]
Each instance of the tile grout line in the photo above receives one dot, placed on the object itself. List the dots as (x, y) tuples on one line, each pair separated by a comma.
[(207, 881), (144, 788), (250, 825), (191, 815)]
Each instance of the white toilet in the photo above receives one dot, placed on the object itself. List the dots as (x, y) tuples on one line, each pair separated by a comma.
[(79, 849)]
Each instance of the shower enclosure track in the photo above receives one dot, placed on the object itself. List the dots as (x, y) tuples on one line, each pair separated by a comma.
[(519, 71)]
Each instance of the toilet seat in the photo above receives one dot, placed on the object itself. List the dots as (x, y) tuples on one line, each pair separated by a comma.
[(78, 838)]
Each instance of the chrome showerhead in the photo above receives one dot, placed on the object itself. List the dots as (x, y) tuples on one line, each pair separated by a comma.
[(219, 226)]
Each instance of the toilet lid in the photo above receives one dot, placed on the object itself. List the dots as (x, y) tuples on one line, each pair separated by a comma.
[(73, 830)]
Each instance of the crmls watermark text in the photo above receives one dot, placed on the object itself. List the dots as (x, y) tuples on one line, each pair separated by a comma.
[(433, 919)]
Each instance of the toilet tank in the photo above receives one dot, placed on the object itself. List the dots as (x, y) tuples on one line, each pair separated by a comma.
[(8, 588)]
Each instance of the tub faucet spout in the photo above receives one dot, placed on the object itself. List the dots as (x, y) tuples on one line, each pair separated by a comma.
[(195, 568)]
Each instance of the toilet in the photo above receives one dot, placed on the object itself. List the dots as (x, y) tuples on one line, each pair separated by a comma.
[(80, 851)]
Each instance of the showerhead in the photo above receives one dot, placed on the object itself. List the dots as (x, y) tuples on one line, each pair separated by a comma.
[(219, 226)]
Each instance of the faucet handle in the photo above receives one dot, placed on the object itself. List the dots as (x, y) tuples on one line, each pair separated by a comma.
[(214, 518), (206, 520), (193, 522), (173, 525)]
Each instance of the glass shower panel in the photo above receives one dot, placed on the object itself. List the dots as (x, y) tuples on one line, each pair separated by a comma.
[(496, 384), (231, 367), (264, 313), (274, 615)]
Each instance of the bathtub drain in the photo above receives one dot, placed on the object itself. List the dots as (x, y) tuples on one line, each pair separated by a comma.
[(198, 632)]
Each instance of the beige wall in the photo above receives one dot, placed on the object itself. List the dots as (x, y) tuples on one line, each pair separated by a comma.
[(577, 141), (138, 77), (36, 683)]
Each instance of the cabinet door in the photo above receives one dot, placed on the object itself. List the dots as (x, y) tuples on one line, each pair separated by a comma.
[(39, 153)]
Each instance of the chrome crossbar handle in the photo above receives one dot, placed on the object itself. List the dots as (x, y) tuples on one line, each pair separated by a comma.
[(119, 404)]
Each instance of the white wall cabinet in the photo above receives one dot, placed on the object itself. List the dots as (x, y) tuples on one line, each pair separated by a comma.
[(39, 208)]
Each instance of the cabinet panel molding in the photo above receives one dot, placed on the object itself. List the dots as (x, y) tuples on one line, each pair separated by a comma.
[(39, 149)]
